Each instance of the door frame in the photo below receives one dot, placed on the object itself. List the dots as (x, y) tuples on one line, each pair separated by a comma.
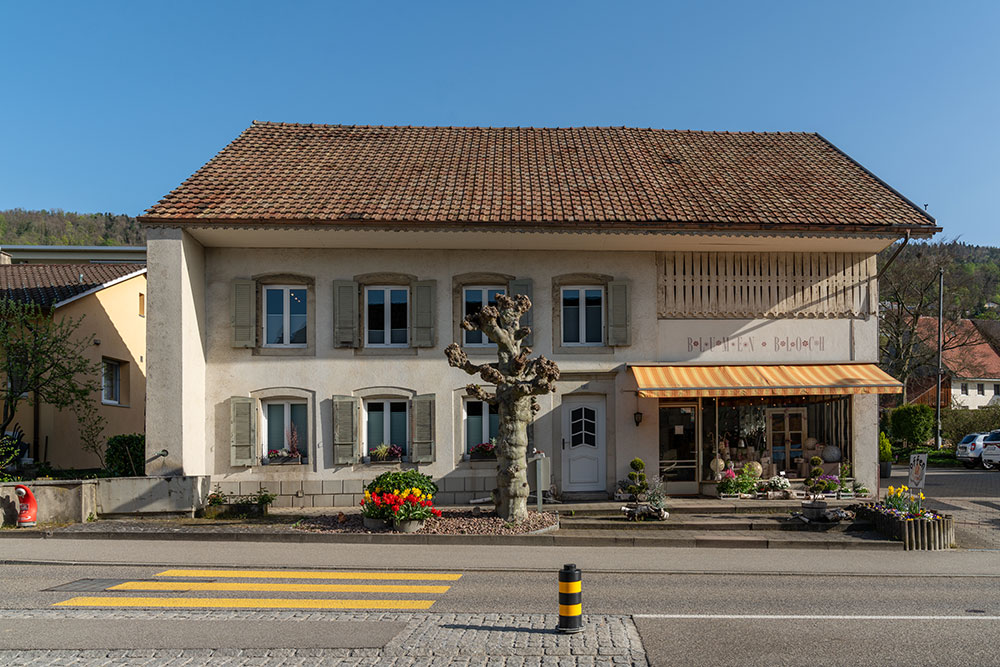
[(770, 431), (601, 403), (689, 487)]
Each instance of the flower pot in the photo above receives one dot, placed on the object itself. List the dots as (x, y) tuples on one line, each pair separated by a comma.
[(814, 509), (373, 523), (408, 526), (264, 460)]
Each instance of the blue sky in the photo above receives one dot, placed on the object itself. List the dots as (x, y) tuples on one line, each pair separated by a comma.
[(109, 105)]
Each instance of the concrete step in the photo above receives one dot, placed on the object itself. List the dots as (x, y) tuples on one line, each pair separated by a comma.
[(690, 539), (701, 522)]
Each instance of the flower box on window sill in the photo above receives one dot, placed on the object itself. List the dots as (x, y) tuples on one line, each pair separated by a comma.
[(282, 460), (373, 461)]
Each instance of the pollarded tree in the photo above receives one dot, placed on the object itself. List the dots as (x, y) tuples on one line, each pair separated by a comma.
[(518, 380)]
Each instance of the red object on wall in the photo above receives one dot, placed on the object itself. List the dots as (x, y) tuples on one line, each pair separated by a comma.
[(27, 513)]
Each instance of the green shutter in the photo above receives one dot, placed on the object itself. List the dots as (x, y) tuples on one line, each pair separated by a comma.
[(619, 329), (345, 314), (424, 311), (243, 313), (345, 429), (242, 431), (523, 286), (422, 428)]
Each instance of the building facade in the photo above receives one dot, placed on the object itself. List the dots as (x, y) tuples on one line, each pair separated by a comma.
[(708, 299)]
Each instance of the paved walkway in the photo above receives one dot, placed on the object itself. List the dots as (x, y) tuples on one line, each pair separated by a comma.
[(425, 639)]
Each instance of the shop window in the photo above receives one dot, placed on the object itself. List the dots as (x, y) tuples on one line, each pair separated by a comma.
[(387, 316), (285, 428), (582, 315), (482, 421), (285, 316), (386, 422), (473, 300)]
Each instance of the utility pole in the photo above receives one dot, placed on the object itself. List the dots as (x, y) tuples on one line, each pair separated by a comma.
[(940, 345)]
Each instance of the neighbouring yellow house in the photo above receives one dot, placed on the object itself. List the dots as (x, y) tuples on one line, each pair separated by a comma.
[(111, 298)]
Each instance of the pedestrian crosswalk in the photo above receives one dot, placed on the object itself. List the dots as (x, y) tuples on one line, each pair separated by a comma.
[(291, 582)]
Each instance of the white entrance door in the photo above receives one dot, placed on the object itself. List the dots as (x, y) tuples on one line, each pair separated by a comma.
[(583, 449)]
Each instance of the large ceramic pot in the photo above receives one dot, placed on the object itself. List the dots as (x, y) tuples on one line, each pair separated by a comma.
[(372, 523), (408, 526), (831, 454)]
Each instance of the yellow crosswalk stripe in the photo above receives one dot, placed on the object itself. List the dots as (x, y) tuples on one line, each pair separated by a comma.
[(287, 588), (243, 603), (297, 574)]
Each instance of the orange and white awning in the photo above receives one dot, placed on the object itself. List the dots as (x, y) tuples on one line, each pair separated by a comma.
[(778, 380)]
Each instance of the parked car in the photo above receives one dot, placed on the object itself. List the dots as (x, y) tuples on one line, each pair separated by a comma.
[(970, 450), (991, 451)]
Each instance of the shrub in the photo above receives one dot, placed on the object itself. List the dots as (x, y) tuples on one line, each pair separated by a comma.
[(637, 479), (913, 423), (126, 455), (403, 479), (956, 423), (884, 448)]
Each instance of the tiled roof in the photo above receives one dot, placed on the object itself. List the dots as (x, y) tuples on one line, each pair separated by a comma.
[(48, 284), (539, 176), (973, 357), (990, 329)]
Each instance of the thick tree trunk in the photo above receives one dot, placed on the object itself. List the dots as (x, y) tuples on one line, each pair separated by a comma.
[(511, 498)]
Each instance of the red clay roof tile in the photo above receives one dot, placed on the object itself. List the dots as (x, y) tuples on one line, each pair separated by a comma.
[(48, 284)]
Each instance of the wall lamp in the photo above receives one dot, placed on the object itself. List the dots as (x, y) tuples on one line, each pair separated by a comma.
[(637, 417)]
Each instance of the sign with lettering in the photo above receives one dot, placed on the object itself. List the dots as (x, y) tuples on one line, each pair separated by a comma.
[(766, 341), (918, 471)]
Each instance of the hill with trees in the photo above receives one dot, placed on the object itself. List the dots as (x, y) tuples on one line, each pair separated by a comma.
[(56, 227)]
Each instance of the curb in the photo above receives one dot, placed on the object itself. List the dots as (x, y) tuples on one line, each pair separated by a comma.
[(539, 539)]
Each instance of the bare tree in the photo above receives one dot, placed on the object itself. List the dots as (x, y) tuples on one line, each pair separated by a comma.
[(908, 294), (518, 380)]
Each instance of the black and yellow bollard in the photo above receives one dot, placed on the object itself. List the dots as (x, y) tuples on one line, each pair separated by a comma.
[(570, 597)]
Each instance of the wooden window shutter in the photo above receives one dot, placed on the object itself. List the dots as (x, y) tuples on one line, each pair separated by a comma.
[(619, 329), (523, 286), (243, 313), (422, 416), (424, 312), (345, 314), (345, 430), (242, 431)]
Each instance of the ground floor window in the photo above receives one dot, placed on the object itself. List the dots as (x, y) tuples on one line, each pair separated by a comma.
[(286, 429), (386, 424), (482, 421), (111, 381), (779, 433)]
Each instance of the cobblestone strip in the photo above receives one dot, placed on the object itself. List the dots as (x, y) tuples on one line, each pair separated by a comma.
[(506, 640)]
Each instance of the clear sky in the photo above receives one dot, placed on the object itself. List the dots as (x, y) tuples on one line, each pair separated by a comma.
[(107, 106)]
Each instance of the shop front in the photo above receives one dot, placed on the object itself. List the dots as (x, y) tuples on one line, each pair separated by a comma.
[(713, 417)]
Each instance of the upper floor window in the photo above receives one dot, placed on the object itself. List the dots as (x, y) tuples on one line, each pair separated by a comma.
[(981, 389), (111, 382), (482, 421), (996, 390), (285, 316), (387, 316), (965, 389), (386, 423), (583, 315), (142, 305), (474, 298)]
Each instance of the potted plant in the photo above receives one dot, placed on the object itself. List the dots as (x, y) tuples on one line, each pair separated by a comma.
[(484, 451), (884, 456), (385, 453), (727, 485), (376, 512)]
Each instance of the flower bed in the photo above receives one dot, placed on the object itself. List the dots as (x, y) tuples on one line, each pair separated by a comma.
[(901, 516), (451, 522)]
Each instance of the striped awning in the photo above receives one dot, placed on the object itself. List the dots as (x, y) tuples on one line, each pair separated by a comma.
[(783, 380)]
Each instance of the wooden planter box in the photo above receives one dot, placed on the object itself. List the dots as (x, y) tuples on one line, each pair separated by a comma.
[(915, 534)]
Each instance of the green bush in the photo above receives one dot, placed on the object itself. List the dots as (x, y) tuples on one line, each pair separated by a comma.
[(126, 455), (403, 479), (913, 423), (884, 448), (637, 479), (956, 423)]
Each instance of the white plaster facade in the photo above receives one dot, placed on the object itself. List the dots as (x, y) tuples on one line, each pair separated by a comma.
[(974, 393), (194, 370)]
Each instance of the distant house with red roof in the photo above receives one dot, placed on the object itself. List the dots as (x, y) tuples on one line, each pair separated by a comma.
[(971, 368)]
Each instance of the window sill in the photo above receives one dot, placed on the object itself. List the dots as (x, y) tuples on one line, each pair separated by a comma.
[(307, 351), (385, 351), (114, 405), (583, 349)]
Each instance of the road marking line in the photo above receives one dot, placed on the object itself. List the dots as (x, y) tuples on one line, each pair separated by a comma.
[(820, 617), (244, 603), (288, 588), (293, 574)]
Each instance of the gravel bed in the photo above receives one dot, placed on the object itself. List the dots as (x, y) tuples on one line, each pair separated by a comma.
[(451, 522)]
